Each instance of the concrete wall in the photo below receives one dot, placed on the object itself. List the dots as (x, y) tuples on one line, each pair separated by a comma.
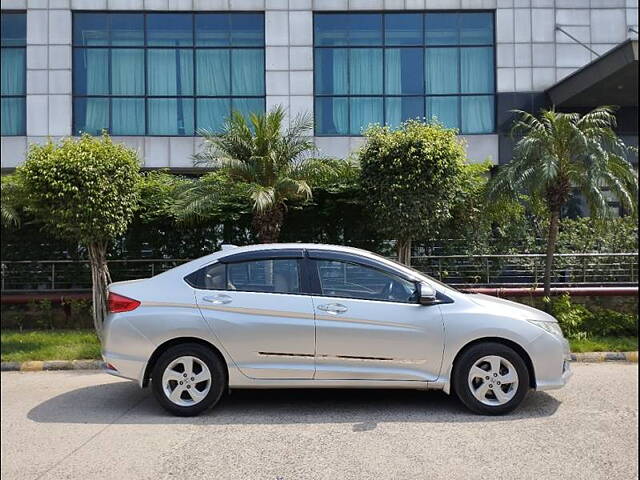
[(531, 56)]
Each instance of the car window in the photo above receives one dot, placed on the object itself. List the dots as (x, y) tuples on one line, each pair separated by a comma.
[(211, 277), (343, 279), (273, 276)]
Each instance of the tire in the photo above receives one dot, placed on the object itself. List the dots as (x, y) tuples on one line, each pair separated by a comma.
[(482, 370), (185, 392)]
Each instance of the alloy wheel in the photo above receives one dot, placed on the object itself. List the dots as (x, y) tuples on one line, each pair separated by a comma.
[(493, 380), (186, 381)]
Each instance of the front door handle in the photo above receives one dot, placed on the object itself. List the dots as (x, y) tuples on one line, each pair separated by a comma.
[(333, 308), (217, 299)]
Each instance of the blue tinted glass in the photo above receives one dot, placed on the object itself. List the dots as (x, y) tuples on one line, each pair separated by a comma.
[(212, 29), (365, 29), (12, 116), (477, 114), (441, 29), (247, 29), (127, 116), (170, 116), (403, 29), (91, 115), (246, 106), (127, 29), (332, 115), (91, 71), (212, 113), (247, 72), (13, 71), (214, 75), (476, 70), (404, 71), (400, 109), (90, 29), (169, 71), (365, 71), (443, 110), (476, 28), (331, 29), (14, 29), (363, 112), (169, 29), (331, 70), (441, 70), (127, 71)]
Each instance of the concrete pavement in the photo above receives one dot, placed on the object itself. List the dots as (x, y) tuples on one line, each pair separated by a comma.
[(88, 425)]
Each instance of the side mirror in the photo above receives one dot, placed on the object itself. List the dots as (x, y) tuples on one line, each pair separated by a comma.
[(427, 294)]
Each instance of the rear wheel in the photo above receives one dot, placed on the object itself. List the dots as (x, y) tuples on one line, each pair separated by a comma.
[(491, 379), (187, 379)]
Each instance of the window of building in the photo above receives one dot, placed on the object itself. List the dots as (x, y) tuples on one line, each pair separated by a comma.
[(387, 68), (13, 73), (165, 73)]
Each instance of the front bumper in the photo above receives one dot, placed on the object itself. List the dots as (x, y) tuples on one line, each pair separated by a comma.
[(551, 358)]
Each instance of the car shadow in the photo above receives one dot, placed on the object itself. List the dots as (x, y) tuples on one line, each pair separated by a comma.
[(126, 403)]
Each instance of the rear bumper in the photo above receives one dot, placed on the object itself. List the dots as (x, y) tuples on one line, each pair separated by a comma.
[(124, 367)]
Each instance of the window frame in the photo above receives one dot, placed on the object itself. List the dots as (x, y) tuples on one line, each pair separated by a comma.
[(383, 46), (22, 130), (194, 97)]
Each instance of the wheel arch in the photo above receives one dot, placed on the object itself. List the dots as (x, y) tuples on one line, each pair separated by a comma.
[(160, 349), (504, 341)]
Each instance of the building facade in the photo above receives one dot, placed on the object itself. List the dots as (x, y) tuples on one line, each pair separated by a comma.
[(154, 72)]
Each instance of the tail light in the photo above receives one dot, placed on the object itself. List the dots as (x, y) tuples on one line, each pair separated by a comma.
[(119, 303)]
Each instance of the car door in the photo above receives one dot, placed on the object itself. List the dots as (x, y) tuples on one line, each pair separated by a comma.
[(369, 324), (257, 309)]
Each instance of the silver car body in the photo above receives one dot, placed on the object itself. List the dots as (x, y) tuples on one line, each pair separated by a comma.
[(273, 340)]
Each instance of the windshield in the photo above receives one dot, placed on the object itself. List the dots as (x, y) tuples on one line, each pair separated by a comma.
[(417, 272)]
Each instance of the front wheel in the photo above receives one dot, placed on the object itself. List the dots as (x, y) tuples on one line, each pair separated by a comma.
[(491, 379), (188, 379)]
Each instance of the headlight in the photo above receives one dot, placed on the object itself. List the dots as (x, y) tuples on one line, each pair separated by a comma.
[(552, 327)]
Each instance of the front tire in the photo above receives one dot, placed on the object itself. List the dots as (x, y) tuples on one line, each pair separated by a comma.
[(491, 379), (188, 379)]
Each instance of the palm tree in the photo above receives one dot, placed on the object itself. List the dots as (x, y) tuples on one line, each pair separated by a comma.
[(560, 152), (274, 164), (9, 211)]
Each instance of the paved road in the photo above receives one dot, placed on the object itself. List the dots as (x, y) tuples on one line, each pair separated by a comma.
[(88, 425)]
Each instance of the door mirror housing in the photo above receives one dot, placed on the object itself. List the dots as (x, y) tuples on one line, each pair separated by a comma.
[(427, 294)]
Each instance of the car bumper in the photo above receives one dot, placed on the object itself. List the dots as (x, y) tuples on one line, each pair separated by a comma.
[(551, 358), (121, 366)]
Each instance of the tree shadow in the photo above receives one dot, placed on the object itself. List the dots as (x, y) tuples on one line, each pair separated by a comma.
[(126, 403)]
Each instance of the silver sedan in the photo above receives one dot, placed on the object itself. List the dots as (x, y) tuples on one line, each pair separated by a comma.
[(321, 316)]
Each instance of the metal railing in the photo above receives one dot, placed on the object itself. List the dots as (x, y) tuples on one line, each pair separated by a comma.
[(576, 269)]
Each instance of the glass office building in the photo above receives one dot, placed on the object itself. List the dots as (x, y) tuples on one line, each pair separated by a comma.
[(154, 73)]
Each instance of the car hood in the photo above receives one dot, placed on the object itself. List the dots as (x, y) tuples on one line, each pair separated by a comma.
[(509, 308)]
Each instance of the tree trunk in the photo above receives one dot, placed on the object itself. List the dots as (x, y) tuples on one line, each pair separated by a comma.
[(100, 280), (267, 225), (404, 251), (551, 248)]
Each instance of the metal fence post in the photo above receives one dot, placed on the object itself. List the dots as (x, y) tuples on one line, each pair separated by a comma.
[(53, 276)]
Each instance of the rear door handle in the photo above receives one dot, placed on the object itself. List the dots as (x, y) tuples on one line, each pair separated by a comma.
[(333, 308), (218, 299)]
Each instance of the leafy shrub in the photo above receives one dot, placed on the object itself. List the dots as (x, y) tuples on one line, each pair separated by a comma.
[(578, 322)]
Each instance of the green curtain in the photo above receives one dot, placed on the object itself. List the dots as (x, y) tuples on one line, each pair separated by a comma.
[(12, 116), (365, 71), (12, 80), (443, 109), (247, 72), (127, 117), (476, 68), (212, 113), (364, 111), (441, 70), (127, 71), (170, 72), (170, 116), (96, 115), (477, 114), (213, 72)]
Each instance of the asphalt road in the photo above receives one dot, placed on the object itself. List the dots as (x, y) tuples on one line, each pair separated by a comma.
[(88, 425)]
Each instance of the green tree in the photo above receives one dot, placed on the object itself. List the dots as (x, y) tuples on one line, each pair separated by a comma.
[(10, 201), (272, 163), (411, 177), (84, 190), (560, 152)]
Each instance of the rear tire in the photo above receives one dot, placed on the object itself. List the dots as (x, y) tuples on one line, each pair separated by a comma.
[(491, 379), (188, 379)]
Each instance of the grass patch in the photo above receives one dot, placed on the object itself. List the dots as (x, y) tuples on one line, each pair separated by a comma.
[(49, 345), (605, 344), (83, 344)]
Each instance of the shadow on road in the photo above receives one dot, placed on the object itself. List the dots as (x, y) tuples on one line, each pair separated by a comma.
[(126, 403)]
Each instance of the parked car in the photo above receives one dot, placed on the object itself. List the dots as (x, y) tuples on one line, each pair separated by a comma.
[(321, 316)]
